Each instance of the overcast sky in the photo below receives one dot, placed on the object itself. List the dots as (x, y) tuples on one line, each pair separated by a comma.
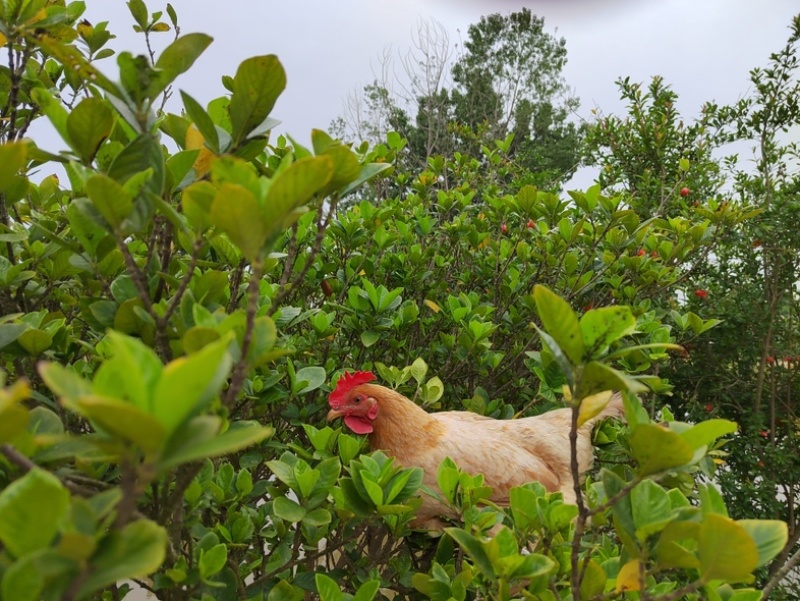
[(703, 48)]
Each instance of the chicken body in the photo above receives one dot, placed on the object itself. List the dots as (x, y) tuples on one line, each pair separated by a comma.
[(507, 452)]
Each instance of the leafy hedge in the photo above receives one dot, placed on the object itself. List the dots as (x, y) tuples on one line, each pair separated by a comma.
[(173, 318)]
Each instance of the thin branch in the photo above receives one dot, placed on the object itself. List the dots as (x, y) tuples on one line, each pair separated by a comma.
[(240, 371)]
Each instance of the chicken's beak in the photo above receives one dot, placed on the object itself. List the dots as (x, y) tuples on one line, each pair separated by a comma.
[(334, 413)]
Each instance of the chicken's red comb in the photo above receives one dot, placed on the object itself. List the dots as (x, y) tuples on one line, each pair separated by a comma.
[(346, 383)]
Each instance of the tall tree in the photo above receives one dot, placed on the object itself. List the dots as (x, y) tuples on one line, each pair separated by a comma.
[(507, 79)]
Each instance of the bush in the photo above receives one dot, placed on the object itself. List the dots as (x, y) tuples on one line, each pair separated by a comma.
[(172, 320)]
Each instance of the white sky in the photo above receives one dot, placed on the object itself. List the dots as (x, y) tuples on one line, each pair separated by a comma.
[(703, 48)]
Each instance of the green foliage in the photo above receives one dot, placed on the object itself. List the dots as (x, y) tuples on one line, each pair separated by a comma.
[(505, 85), (173, 314)]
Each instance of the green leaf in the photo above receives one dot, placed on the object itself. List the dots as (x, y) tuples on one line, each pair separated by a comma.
[(367, 591), (599, 377), (122, 420), (594, 580), (136, 551), (369, 337), (32, 511), (474, 548), (310, 378), (143, 153), (327, 588), (212, 560), (196, 200), (109, 198), (89, 123), (176, 59), (283, 591), (368, 171), (601, 327), (674, 543), (706, 432), (560, 322), (9, 332), (288, 510), (63, 381), (656, 449), (725, 549), (294, 187), (131, 372), (202, 121), (240, 435), (593, 405), (770, 537), (138, 11), (651, 507), (256, 86), (237, 212), (44, 570), (35, 341), (12, 160), (188, 384), (265, 334)]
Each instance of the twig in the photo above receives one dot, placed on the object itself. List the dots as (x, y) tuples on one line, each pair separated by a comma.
[(240, 371), (583, 513), (780, 575)]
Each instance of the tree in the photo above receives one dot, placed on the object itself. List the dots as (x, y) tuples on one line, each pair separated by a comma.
[(506, 81)]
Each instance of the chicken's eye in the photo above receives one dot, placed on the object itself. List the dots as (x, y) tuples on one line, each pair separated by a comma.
[(358, 399)]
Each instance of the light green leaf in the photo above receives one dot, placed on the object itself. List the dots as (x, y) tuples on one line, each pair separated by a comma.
[(240, 435), (770, 537), (109, 198), (188, 384), (237, 212), (89, 123), (288, 510), (294, 187), (136, 551), (32, 511), (560, 322), (327, 588), (706, 432), (12, 160), (212, 560), (121, 419), (725, 549), (656, 449), (369, 337), (310, 378)]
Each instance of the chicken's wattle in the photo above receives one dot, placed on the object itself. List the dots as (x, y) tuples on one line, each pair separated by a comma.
[(358, 424)]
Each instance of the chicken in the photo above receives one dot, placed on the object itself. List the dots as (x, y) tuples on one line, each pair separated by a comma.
[(508, 453)]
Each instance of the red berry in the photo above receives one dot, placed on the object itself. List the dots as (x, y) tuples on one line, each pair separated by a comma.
[(641, 252), (685, 192), (770, 360), (760, 464), (701, 293), (709, 407), (504, 228), (326, 288), (764, 434), (530, 223)]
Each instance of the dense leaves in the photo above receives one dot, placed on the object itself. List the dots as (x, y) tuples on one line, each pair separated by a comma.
[(175, 310)]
